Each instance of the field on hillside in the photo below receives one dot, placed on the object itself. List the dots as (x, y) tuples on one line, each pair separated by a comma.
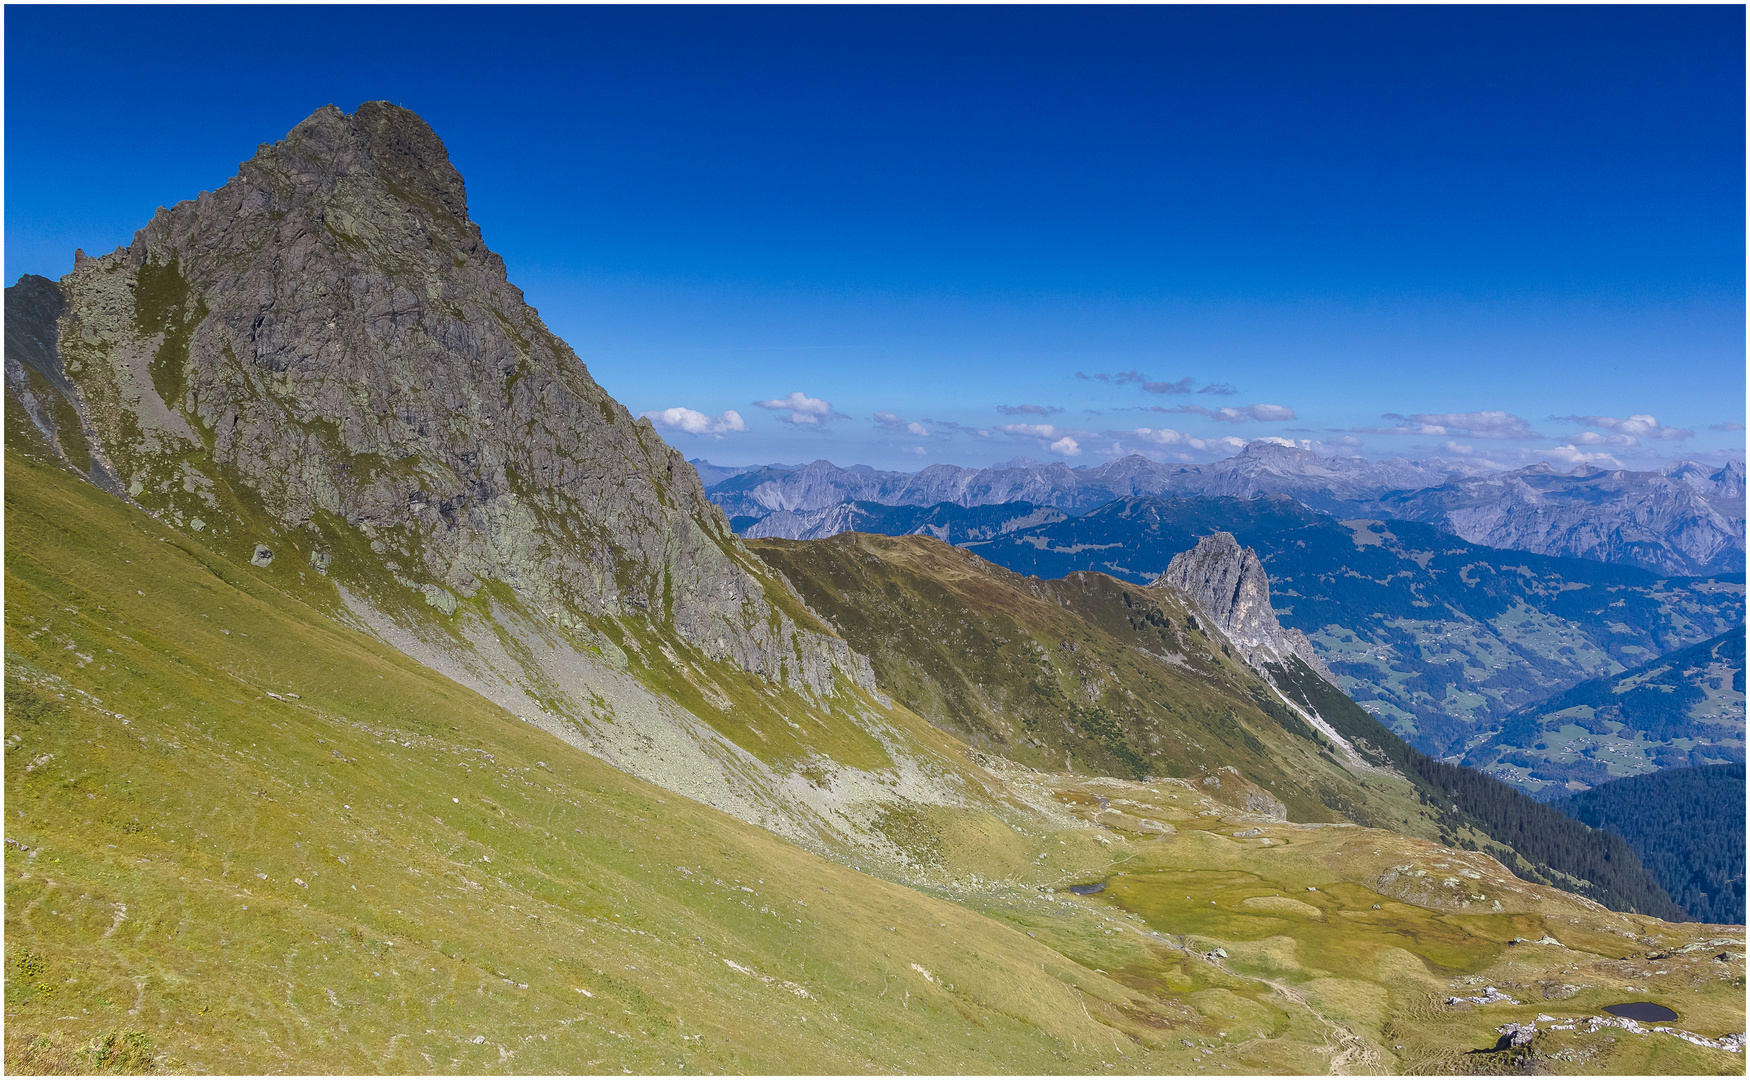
[(1684, 709), (244, 837), (269, 843)]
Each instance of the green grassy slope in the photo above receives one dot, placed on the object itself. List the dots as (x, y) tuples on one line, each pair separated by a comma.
[(1086, 672), (1078, 667), (1277, 931), (269, 843), (243, 837)]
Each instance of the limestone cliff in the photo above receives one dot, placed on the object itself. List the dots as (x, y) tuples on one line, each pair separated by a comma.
[(329, 331), (1228, 584)]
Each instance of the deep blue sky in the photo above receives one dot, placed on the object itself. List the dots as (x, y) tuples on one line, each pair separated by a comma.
[(1429, 231)]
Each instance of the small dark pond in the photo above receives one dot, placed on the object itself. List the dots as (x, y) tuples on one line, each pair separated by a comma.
[(1644, 1011), (1088, 890)]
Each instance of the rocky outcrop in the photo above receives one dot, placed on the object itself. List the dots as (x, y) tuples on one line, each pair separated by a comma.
[(38, 390), (1227, 583), (1225, 785), (1684, 519), (330, 331)]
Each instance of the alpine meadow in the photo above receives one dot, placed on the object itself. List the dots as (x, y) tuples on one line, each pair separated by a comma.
[(384, 695)]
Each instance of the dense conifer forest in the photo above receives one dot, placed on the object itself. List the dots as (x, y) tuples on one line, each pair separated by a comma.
[(1687, 826)]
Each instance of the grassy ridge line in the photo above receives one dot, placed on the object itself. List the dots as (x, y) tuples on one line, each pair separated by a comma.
[(1086, 672), (1440, 637), (1552, 849), (1073, 667), (387, 873)]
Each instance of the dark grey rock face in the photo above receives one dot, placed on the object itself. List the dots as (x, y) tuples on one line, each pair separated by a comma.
[(330, 329), (1228, 584), (33, 307), (37, 386)]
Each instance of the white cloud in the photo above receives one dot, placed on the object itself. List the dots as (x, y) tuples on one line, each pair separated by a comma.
[(1051, 437), (1029, 431), (1268, 413), (918, 450), (802, 409), (1232, 415), (894, 423), (1320, 447), (1575, 456), (1162, 436), (1028, 410), (694, 422), (1592, 438), (1169, 437), (1631, 430), (1488, 424)]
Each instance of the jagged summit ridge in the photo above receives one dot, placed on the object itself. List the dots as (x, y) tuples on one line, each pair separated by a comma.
[(330, 328), (1229, 585)]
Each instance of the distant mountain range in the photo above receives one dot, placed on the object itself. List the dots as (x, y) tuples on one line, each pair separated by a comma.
[(1330, 484), (1684, 519)]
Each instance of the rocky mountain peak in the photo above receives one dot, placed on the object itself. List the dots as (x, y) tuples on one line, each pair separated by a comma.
[(380, 138), (1227, 583), (329, 335)]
